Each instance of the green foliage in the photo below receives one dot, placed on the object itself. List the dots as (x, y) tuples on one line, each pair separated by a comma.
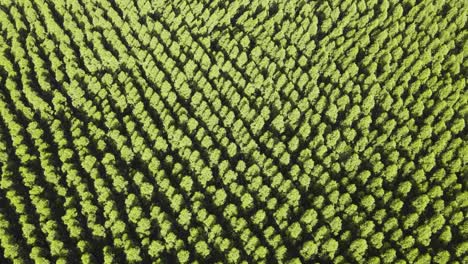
[(233, 132), (330, 247), (309, 249), (358, 249)]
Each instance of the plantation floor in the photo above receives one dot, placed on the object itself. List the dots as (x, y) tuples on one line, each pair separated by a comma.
[(135, 131)]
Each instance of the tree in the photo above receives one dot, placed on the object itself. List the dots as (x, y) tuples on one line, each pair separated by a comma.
[(233, 255), (390, 224), (335, 225), (406, 242), (205, 176), (295, 230), (389, 255), (376, 240), (368, 104), (278, 123), (257, 125), (367, 228), (419, 176), (352, 164), (186, 184), (412, 254), (183, 256), (171, 241), (442, 257), (420, 203), (397, 12), (252, 241), (368, 202), (144, 226), (332, 113), (146, 190), (457, 218), (156, 248), (457, 126), (220, 197), (396, 205), (309, 249), (332, 138), (446, 235), (260, 253), (135, 214), (328, 211), (358, 249), (294, 117), (242, 59), (133, 255), (259, 218), (247, 201), (202, 249), (423, 234), (281, 252), (330, 247), (309, 219), (391, 172), (425, 258), (184, 217), (404, 188), (363, 176)]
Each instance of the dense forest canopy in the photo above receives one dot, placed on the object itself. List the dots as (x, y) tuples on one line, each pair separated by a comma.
[(137, 131)]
